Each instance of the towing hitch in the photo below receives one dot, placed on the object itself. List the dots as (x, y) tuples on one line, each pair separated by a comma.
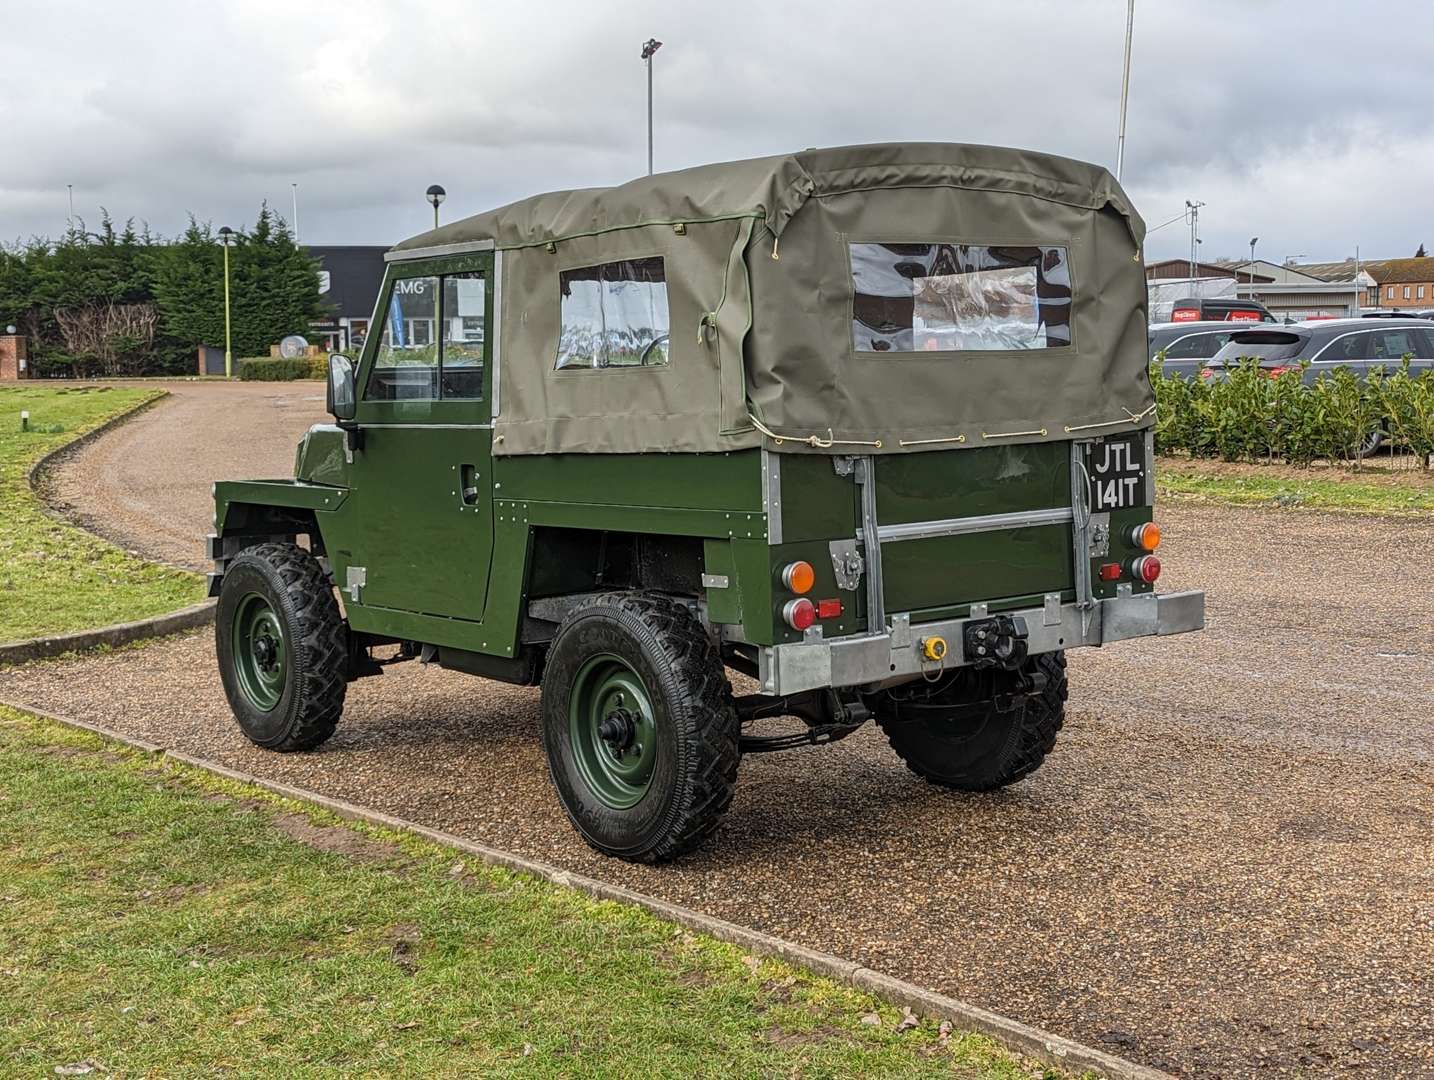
[(1000, 641)]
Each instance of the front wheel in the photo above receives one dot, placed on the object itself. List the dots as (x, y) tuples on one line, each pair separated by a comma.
[(639, 727), (977, 730), (282, 647), (1373, 440)]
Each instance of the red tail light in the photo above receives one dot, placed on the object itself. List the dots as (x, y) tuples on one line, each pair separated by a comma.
[(1146, 569), (1207, 373), (800, 613), (1276, 372)]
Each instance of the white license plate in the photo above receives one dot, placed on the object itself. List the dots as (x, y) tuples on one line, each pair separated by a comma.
[(1117, 473)]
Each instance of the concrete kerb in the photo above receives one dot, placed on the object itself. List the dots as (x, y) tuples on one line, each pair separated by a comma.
[(40, 648), (1042, 1046)]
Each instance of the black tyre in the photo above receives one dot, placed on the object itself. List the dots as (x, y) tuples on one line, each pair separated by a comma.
[(282, 647), (1373, 441), (967, 732), (639, 727)]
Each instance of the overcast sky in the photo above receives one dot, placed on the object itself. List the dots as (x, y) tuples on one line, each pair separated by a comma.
[(1305, 122)]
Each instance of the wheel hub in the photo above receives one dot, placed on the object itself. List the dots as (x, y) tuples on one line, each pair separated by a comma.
[(613, 731), (618, 729)]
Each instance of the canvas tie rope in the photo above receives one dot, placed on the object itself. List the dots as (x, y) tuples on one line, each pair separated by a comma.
[(814, 441), (1130, 418)]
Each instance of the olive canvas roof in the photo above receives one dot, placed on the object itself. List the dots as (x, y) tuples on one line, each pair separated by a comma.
[(774, 188)]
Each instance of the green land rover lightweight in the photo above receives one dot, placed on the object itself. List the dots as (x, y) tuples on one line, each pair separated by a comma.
[(868, 426)]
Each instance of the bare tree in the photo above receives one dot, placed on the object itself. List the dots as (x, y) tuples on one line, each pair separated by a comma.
[(115, 337)]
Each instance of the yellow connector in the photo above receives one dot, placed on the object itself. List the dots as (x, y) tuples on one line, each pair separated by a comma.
[(933, 648)]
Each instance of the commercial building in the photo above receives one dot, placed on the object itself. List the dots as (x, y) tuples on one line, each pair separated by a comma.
[(349, 280), (1405, 283)]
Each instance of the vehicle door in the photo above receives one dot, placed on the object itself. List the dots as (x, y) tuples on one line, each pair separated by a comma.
[(1388, 348), (422, 474), (1349, 350)]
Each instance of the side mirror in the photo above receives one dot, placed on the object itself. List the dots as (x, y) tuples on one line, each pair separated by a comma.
[(342, 394)]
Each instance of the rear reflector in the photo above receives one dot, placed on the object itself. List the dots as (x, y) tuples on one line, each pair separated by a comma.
[(829, 609), (1110, 571), (800, 613), (1146, 569)]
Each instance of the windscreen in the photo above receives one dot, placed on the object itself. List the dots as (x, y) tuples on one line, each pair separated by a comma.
[(959, 298)]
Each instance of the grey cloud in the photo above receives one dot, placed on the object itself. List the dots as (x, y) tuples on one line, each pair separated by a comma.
[(1304, 122)]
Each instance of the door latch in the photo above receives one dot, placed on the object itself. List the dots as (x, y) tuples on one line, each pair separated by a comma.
[(468, 484)]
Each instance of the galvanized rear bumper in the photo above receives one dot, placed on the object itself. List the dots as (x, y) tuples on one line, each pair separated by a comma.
[(865, 659)]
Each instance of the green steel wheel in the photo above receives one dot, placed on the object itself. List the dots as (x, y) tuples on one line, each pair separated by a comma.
[(639, 727), (260, 652), (282, 647), (614, 735)]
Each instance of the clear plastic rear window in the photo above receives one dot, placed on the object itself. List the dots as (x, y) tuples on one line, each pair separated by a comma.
[(911, 298)]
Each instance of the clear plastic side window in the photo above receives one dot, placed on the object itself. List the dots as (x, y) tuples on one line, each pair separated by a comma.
[(405, 367), (959, 297), (464, 312), (614, 315)]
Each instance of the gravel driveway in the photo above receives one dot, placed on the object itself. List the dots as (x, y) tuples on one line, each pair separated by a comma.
[(145, 485), (1226, 867)]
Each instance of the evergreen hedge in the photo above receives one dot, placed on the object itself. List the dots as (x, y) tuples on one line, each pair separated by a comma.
[(1249, 416), (274, 292), (273, 368)]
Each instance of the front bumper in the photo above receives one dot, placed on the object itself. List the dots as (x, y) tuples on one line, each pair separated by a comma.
[(867, 659)]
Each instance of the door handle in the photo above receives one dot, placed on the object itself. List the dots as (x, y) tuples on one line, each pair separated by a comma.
[(468, 484)]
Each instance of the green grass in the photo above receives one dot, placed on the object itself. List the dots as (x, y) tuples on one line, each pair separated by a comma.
[(158, 920), (55, 577), (1371, 492)]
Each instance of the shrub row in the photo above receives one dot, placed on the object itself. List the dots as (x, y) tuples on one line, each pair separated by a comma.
[(1250, 416), (273, 368)]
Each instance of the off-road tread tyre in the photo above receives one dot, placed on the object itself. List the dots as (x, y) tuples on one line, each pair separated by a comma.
[(693, 694), (1030, 738), (313, 700)]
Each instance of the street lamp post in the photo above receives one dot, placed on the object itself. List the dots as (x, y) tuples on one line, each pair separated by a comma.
[(294, 190), (1253, 241), (649, 49), (1124, 88), (226, 237), (436, 195), (1192, 211)]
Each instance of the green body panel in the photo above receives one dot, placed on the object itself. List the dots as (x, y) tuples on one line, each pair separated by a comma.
[(964, 483), (288, 494), (423, 547), (320, 459), (728, 482), (945, 571), (1122, 550), (817, 504)]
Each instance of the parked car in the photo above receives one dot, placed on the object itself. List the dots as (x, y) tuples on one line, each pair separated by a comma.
[(1186, 346), (1225, 309), (1357, 344), (1405, 314)]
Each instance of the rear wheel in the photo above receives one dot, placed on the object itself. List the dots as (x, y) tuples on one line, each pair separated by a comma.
[(282, 647), (1373, 441), (639, 727), (977, 730)]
